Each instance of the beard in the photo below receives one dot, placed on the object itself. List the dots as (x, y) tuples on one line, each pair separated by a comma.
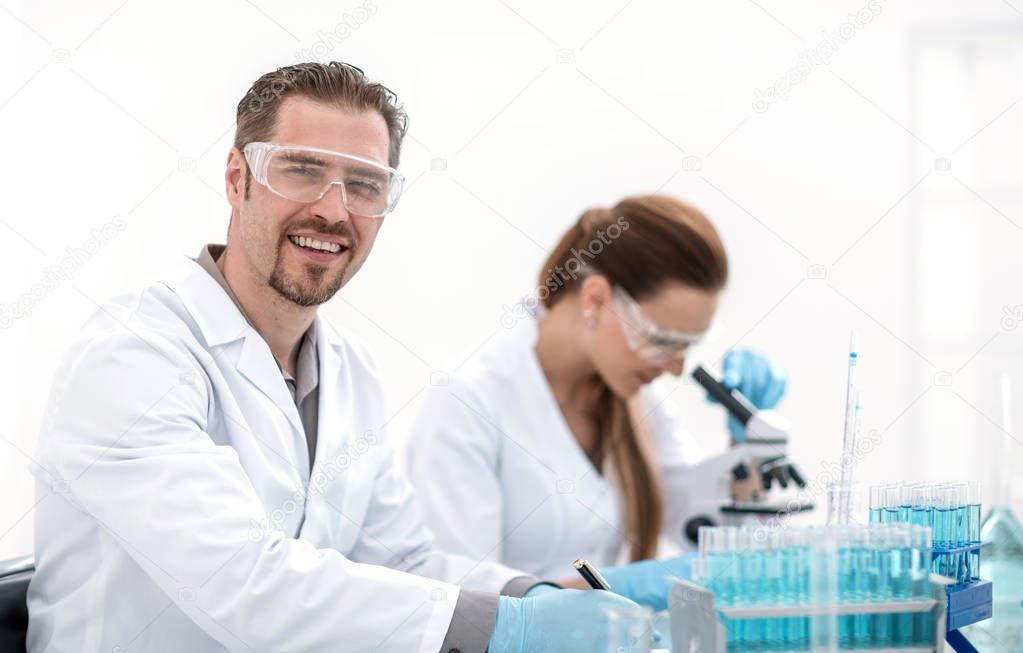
[(313, 289), (316, 283)]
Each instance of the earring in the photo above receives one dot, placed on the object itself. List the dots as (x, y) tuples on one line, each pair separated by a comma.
[(591, 324)]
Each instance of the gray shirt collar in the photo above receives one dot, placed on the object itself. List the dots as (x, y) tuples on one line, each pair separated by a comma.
[(307, 371)]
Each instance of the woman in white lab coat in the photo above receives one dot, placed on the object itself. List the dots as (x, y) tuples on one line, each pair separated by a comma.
[(548, 444)]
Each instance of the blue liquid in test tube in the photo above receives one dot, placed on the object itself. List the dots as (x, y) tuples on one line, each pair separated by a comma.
[(920, 564), (876, 503), (920, 588), (732, 575), (796, 585), (890, 500), (860, 576), (718, 571), (973, 529), (960, 536), (844, 555), (905, 493), (775, 591), (752, 562), (881, 551), (943, 525), (901, 582)]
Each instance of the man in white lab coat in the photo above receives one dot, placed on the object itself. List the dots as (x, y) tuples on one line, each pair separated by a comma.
[(212, 467)]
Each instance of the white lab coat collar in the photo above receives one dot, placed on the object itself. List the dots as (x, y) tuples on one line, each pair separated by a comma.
[(221, 324), (218, 318)]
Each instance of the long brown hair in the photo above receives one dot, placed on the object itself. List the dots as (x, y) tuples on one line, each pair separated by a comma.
[(639, 244)]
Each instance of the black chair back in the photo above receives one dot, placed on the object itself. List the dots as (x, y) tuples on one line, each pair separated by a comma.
[(14, 577)]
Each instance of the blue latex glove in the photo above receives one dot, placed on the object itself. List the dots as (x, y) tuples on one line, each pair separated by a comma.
[(646, 582), (757, 378), (564, 621)]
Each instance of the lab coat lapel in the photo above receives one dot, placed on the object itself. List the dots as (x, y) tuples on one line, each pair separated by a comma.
[(222, 323), (343, 474), (256, 363), (330, 418), (566, 455), (339, 424)]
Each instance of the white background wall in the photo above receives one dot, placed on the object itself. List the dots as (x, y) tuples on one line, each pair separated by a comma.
[(831, 204)]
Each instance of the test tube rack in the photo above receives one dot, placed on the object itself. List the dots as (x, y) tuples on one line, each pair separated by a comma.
[(697, 626), (966, 603)]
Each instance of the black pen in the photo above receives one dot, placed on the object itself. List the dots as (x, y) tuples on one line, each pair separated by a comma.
[(591, 575)]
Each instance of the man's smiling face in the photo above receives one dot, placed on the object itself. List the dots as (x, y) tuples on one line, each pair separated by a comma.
[(270, 227)]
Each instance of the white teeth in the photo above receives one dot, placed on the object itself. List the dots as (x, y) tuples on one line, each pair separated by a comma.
[(311, 243)]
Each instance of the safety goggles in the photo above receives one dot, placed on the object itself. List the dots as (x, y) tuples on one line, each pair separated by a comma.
[(306, 174), (650, 342)]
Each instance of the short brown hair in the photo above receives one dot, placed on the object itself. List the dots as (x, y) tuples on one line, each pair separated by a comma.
[(335, 83)]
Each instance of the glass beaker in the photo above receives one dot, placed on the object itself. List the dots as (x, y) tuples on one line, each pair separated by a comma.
[(629, 629)]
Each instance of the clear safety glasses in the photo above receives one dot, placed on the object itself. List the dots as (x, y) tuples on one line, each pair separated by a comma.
[(652, 343), (306, 174)]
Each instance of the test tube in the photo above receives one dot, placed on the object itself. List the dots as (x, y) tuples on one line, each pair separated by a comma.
[(862, 570), (879, 541), (946, 514), (825, 582), (774, 589), (876, 503), (961, 537), (920, 511), (905, 501), (973, 529), (796, 572), (847, 563), (937, 521), (920, 586), (708, 546), (752, 585), (737, 543), (900, 583), (718, 571), (705, 535), (891, 505)]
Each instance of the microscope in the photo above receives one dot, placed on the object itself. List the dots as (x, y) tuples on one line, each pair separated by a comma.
[(732, 488)]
